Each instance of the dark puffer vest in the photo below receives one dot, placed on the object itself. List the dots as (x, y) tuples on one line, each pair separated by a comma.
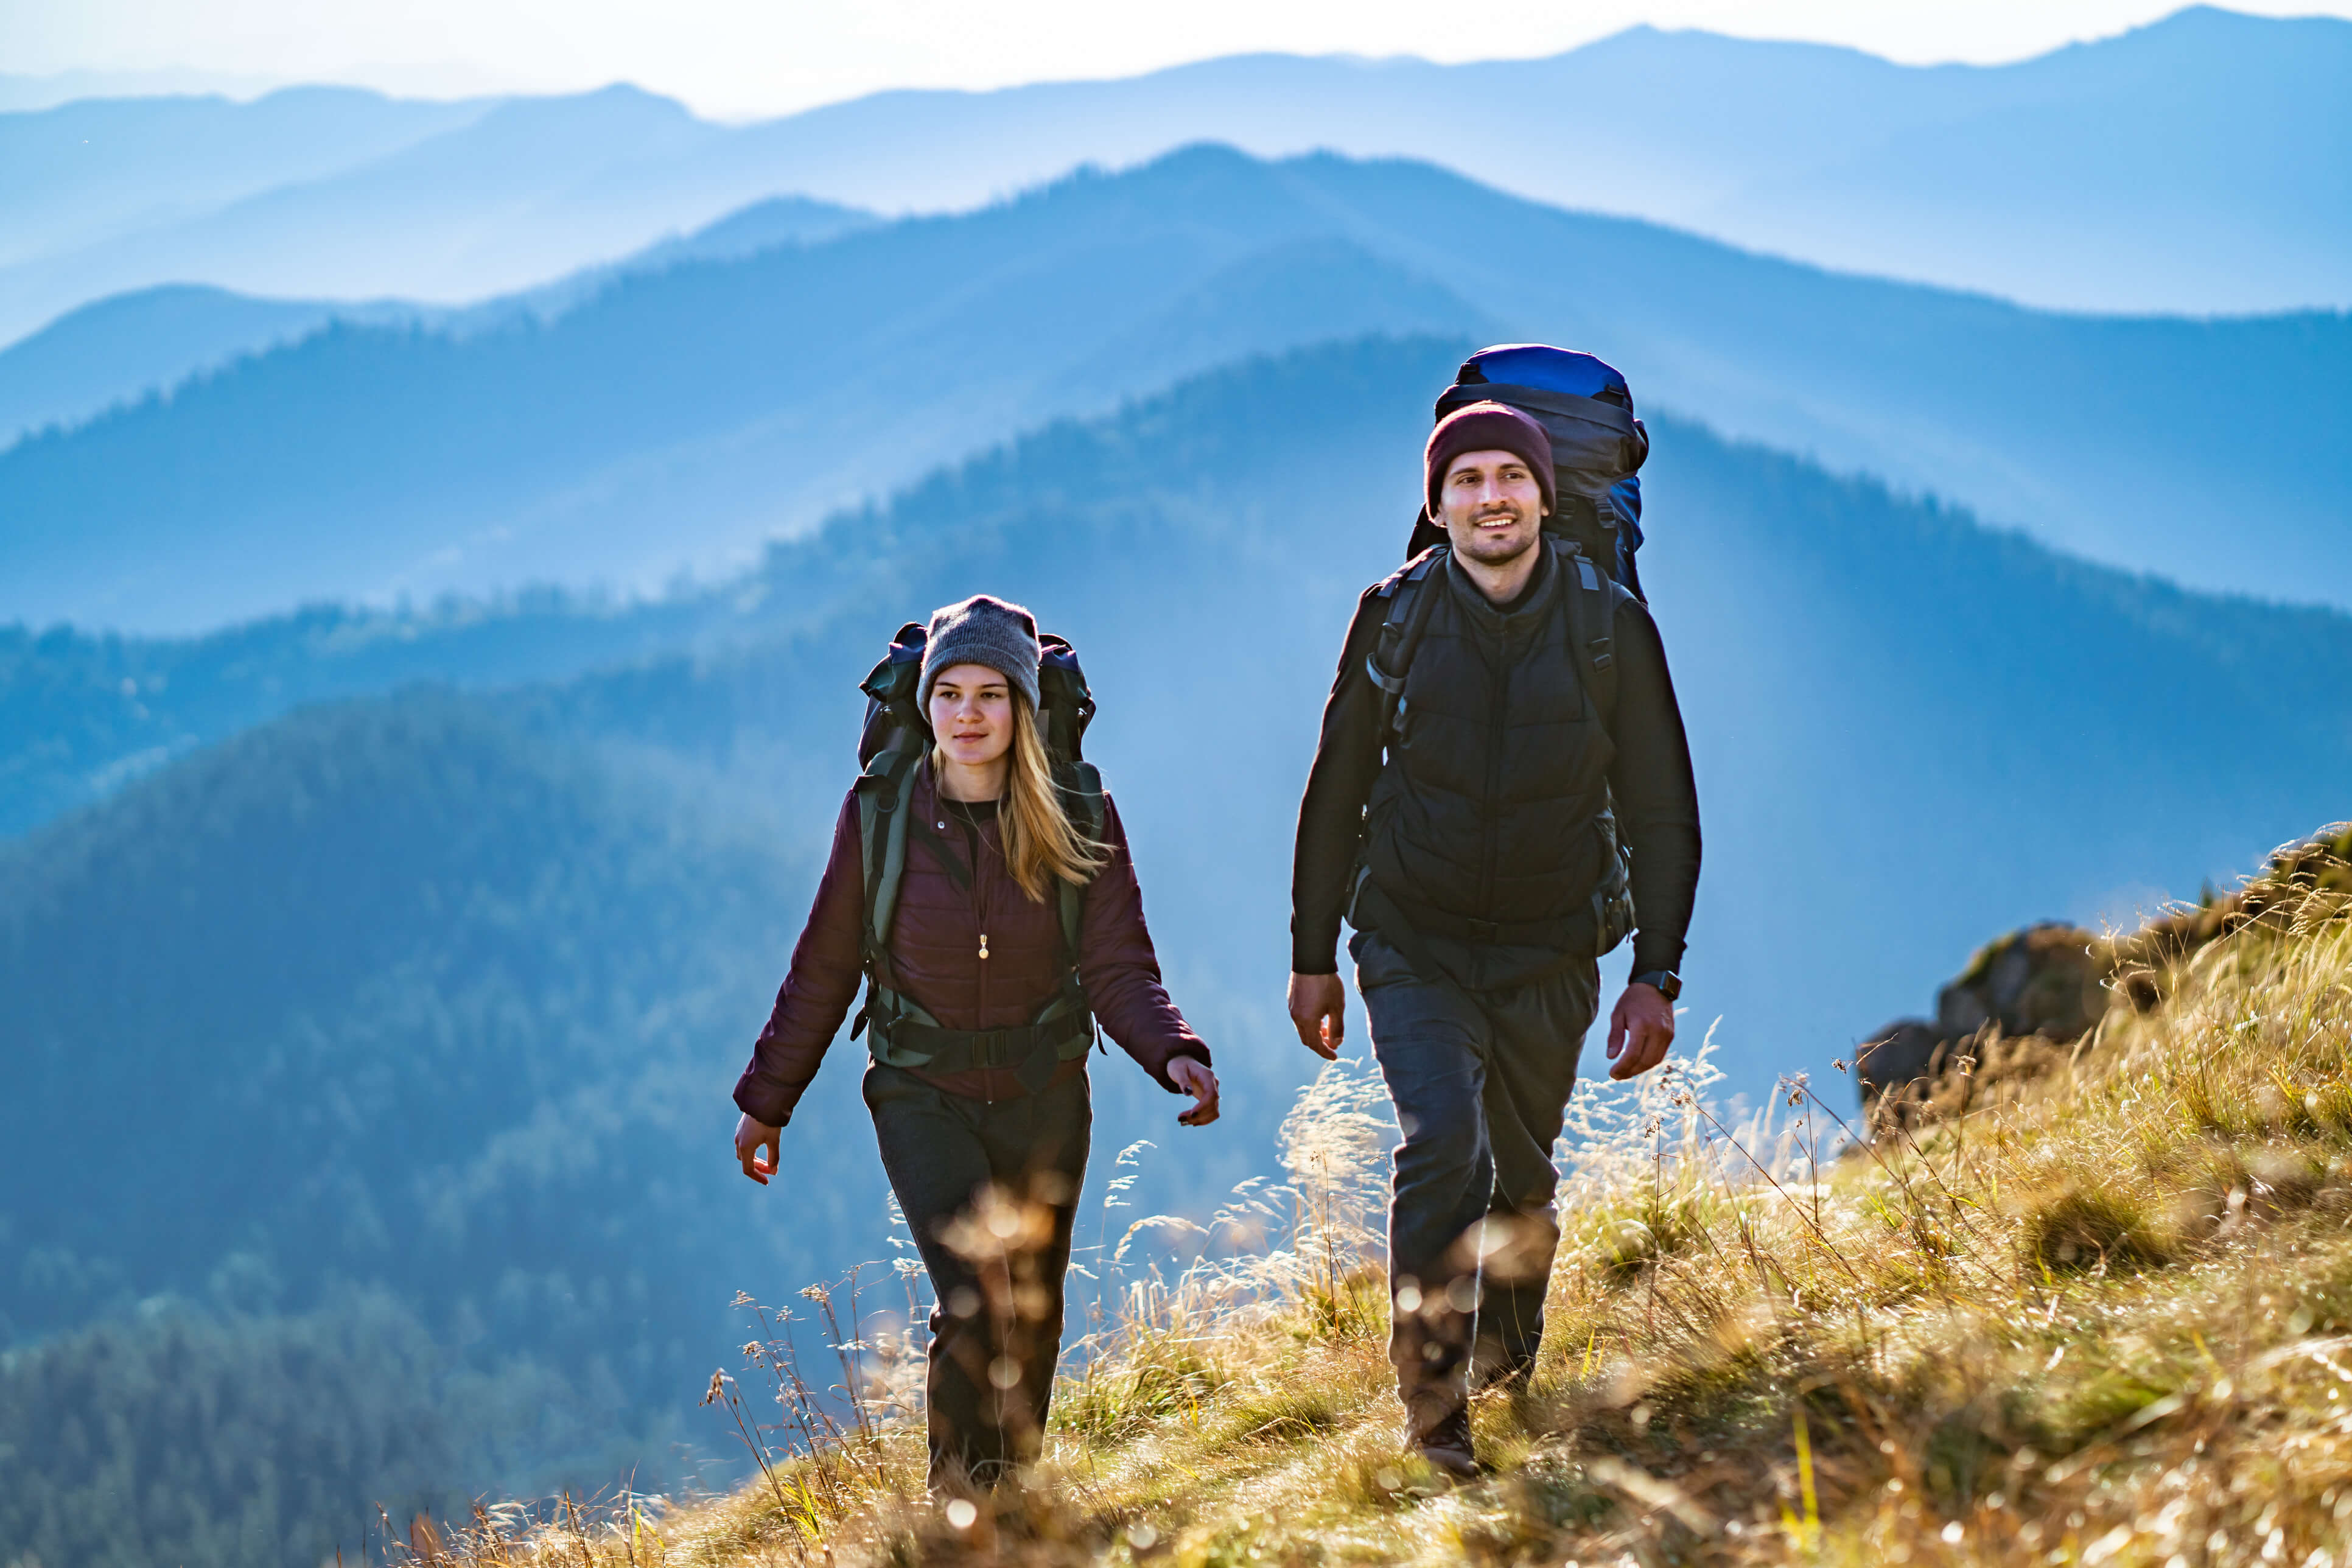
[(1486, 823)]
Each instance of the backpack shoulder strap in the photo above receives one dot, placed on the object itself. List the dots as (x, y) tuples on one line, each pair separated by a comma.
[(1082, 797), (1410, 595), (882, 800), (1592, 598)]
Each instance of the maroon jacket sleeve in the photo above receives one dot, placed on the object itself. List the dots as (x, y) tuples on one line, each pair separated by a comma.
[(818, 989), (1121, 973)]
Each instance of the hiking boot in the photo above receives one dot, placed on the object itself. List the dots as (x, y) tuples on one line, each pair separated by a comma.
[(1446, 1444)]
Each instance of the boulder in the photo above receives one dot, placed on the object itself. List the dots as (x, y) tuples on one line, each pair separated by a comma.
[(2039, 990), (1896, 1054), (2048, 979)]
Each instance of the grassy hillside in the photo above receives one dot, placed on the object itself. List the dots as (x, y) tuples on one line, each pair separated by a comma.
[(2105, 1321), (682, 420)]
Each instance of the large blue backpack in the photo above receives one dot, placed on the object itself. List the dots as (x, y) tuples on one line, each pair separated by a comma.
[(1597, 446), (1598, 449)]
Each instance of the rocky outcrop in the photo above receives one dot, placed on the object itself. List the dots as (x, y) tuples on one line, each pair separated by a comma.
[(2029, 1001), (2021, 1003)]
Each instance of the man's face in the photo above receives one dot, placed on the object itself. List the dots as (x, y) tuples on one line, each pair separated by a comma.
[(1491, 506)]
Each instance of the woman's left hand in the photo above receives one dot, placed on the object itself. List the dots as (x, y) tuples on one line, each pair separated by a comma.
[(1192, 1075)]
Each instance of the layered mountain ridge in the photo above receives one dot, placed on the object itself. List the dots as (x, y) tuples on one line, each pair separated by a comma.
[(680, 418)]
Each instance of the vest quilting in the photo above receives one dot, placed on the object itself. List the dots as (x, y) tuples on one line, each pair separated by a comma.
[(1488, 806)]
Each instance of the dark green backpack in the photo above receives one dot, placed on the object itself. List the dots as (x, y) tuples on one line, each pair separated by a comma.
[(891, 746)]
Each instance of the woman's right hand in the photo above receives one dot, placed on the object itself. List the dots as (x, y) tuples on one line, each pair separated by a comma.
[(750, 1137)]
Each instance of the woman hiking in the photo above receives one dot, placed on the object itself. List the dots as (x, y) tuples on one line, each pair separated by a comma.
[(973, 984)]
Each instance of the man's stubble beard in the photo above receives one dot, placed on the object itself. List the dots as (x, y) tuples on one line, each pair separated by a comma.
[(1487, 557)]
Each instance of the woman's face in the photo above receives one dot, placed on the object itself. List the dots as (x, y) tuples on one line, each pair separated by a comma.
[(972, 714)]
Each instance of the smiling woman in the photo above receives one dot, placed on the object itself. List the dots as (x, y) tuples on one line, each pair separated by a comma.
[(987, 750), (1002, 920)]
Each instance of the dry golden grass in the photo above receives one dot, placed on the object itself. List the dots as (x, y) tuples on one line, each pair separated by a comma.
[(2108, 1320)]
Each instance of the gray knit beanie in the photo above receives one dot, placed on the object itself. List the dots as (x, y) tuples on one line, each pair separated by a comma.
[(982, 630)]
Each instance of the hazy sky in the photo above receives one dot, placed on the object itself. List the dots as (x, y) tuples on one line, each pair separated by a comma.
[(740, 56)]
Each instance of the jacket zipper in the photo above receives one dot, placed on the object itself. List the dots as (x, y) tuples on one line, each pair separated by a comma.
[(980, 915)]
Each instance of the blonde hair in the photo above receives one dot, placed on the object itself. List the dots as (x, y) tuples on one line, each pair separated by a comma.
[(1042, 844)]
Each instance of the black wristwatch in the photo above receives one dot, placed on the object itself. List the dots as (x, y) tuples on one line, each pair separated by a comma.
[(1666, 983)]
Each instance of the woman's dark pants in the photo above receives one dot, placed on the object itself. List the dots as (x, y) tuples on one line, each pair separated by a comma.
[(1481, 1082), (996, 1331)]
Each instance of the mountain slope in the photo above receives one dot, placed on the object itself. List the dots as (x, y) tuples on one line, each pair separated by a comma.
[(82, 715), (81, 173), (678, 420), (126, 346)]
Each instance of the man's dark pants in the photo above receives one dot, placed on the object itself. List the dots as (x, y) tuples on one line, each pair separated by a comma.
[(941, 1150), (1481, 1080)]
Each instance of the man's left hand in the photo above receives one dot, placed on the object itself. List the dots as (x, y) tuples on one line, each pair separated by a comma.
[(1192, 1075), (1640, 1030)]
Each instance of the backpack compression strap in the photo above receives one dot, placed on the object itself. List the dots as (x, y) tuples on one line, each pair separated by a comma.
[(1593, 599)]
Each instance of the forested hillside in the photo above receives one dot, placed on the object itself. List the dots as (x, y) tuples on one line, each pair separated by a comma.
[(682, 418), (386, 1035), (82, 713)]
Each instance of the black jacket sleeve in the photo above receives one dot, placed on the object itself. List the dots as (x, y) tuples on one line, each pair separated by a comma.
[(1657, 801), (1347, 759)]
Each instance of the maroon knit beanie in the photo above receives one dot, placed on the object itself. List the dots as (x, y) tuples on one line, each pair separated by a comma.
[(1487, 427)]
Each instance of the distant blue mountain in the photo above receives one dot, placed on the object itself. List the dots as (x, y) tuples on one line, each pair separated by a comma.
[(126, 345), (2196, 164), (2193, 165), (84, 174), (680, 419)]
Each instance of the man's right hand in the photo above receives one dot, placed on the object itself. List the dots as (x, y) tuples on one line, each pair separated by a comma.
[(750, 1137), (1318, 1011)]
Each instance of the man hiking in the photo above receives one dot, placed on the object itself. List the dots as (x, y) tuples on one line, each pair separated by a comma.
[(1477, 767)]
